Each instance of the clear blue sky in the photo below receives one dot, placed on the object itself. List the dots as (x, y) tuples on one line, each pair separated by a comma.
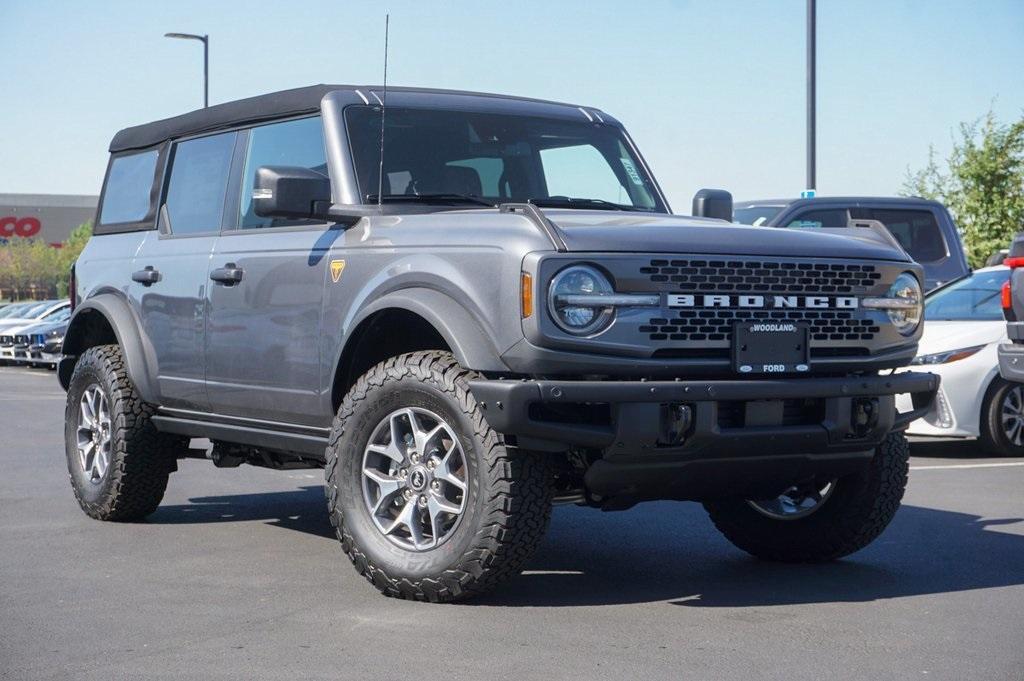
[(713, 91)]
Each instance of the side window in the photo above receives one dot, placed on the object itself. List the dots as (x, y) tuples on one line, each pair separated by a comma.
[(129, 183), (292, 143), (199, 180), (816, 219), (916, 230), (581, 171)]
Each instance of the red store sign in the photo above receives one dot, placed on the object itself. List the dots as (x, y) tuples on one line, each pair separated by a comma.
[(14, 226)]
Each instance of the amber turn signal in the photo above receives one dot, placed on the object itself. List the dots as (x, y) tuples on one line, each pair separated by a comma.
[(526, 294)]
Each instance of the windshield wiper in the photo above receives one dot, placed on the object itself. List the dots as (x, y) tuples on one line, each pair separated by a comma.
[(573, 202), (430, 198)]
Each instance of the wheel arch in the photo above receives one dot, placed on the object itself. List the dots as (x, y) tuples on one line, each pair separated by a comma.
[(104, 319), (990, 384), (407, 321)]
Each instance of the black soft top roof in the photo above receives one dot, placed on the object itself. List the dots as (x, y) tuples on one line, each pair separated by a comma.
[(254, 109)]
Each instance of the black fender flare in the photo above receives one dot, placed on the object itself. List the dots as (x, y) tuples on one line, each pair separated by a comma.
[(470, 343), (139, 356)]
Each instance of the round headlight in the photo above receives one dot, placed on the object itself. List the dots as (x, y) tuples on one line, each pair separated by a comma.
[(568, 300), (908, 316)]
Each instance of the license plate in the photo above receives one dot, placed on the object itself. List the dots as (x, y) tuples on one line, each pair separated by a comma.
[(770, 347)]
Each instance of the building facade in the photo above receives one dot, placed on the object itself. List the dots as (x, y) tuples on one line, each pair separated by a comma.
[(50, 217)]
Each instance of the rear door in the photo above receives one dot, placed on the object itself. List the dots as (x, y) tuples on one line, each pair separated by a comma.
[(264, 328), (170, 277)]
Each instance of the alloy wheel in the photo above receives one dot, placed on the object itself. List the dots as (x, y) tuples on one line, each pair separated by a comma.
[(94, 434), (1012, 415), (414, 479)]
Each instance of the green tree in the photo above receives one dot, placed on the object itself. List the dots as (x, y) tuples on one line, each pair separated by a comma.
[(7, 278), (68, 254), (982, 184), (31, 265)]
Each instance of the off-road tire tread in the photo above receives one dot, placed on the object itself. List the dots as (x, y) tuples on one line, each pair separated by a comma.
[(516, 510), (860, 523), (141, 457)]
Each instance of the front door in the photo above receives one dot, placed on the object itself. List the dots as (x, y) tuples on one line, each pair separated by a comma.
[(264, 317), (170, 271)]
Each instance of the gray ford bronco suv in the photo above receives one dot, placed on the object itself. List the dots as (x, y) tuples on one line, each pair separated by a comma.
[(494, 313)]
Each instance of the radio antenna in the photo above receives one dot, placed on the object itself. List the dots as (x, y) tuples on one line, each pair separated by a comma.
[(383, 106)]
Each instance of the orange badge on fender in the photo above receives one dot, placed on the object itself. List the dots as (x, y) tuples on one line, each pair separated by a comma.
[(337, 267)]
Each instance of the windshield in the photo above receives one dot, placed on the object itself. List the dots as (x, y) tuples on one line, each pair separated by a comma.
[(12, 310), (497, 158), (755, 215), (58, 315), (975, 298), (33, 310)]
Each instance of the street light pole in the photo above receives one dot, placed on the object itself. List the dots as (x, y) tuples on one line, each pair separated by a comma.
[(811, 96), (205, 40)]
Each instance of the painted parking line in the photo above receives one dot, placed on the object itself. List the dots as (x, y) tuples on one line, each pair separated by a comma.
[(26, 398), (31, 372), (946, 467)]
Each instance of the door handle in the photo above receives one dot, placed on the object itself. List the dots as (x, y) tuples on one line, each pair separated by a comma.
[(146, 276), (229, 275)]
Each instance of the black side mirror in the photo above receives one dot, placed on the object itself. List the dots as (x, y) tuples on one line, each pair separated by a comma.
[(291, 192), (713, 203)]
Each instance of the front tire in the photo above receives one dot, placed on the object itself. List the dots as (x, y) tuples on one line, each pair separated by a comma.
[(427, 501), (849, 513), (117, 461), (1002, 419)]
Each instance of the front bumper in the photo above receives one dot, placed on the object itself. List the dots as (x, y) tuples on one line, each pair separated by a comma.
[(746, 437), (1011, 361), (38, 354)]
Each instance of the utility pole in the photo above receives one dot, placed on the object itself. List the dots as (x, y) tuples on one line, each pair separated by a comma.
[(811, 98)]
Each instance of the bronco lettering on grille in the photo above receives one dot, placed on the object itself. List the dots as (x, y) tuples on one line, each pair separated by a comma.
[(761, 302)]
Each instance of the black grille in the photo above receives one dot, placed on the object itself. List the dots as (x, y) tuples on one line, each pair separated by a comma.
[(6, 340), (716, 324), (756, 276), (21, 339)]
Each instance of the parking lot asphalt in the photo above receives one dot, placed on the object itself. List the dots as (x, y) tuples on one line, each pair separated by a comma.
[(238, 575)]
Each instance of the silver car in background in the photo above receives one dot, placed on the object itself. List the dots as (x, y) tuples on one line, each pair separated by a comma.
[(40, 345), (24, 318)]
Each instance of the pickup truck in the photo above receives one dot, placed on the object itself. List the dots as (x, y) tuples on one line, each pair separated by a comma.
[(924, 228)]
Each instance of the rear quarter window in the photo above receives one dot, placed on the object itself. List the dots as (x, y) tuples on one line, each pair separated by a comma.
[(916, 230), (126, 196)]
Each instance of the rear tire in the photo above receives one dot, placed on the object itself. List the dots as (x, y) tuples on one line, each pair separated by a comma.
[(1004, 399), (852, 515), (117, 461), (498, 499)]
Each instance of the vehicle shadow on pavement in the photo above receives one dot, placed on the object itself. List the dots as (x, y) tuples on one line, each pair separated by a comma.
[(669, 551), (303, 509)]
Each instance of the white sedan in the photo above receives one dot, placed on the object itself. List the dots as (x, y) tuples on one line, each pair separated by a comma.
[(963, 326)]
